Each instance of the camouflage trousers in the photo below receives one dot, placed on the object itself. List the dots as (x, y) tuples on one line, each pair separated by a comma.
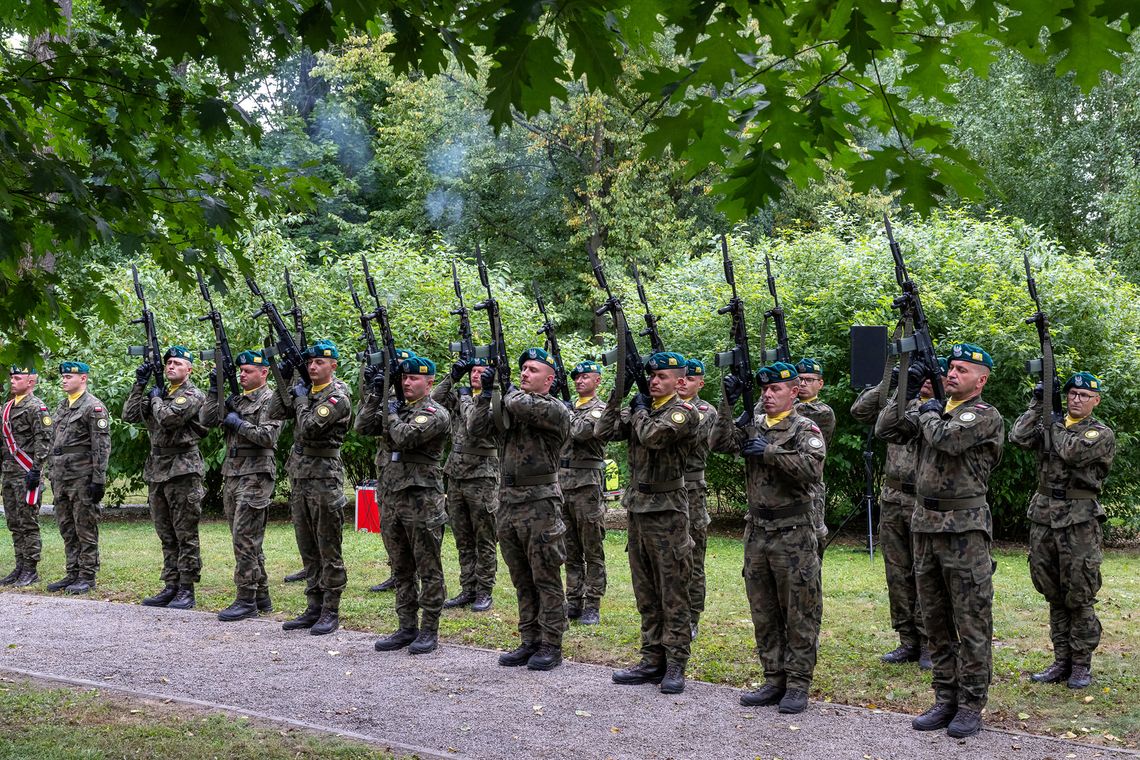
[(23, 521), (532, 540), (317, 507), (78, 519), (954, 576), (471, 507), (414, 527), (245, 499), (176, 508), (898, 556), (699, 532), (1064, 564), (818, 513), (782, 580), (584, 513), (660, 564)]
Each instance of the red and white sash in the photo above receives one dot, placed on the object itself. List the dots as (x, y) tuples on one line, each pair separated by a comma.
[(21, 456)]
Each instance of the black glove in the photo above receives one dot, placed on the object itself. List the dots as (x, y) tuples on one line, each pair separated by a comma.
[(487, 379), (394, 406), (933, 405), (459, 369), (376, 378), (504, 377), (463, 390), (32, 479), (286, 370), (155, 392), (213, 381), (895, 377), (233, 421), (754, 447), (96, 491), (142, 374), (1039, 391), (639, 401), (569, 405), (300, 390), (733, 389), (916, 375)]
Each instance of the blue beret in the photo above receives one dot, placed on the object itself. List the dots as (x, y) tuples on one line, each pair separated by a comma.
[(943, 364), (971, 352), (777, 372), (583, 367), (809, 366), (255, 358), (417, 365), (178, 352), (1085, 381), (322, 349), (74, 368), (22, 370), (537, 355), (405, 353), (666, 360), (696, 368)]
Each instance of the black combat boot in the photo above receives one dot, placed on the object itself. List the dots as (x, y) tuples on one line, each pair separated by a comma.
[(264, 602), (161, 599), (462, 599), (1078, 679), (674, 680), (482, 601), (546, 657), (642, 672), (300, 575), (1059, 671), (66, 581), (902, 653), (29, 576), (573, 610), (184, 599), (766, 696), (520, 655), (966, 722), (243, 608), (328, 622), (794, 701), (590, 616), (387, 585), (398, 639), (425, 642), (924, 661), (306, 619), (81, 586), (11, 577), (937, 717)]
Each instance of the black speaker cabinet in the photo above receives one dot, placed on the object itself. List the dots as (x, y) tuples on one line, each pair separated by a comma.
[(868, 355)]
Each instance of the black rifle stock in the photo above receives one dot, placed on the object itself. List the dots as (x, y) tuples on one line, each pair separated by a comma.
[(222, 356), (737, 359), (286, 345), (367, 334), (465, 346), (562, 385), (1044, 366), (910, 309), (626, 357), (150, 351), (296, 313), (782, 352), (650, 329), (388, 355)]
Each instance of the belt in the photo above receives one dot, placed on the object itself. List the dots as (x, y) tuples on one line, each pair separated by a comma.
[(582, 464), (695, 476), (170, 451), (776, 514), (311, 451), (60, 450), (249, 451), (409, 457), (1070, 493), (661, 486), (949, 505), (475, 451), (548, 478), (898, 485)]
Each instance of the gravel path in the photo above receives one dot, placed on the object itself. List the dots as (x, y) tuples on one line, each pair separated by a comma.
[(455, 702)]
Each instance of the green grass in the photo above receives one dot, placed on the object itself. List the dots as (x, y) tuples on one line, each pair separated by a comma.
[(71, 723), (856, 623)]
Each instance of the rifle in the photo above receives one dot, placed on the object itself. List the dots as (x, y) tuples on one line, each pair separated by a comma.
[(388, 354), (782, 352), (150, 352), (912, 315), (222, 357), (465, 346), (630, 367), (547, 329), (286, 345), (296, 313), (650, 318), (497, 348), (737, 359), (1044, 366), (371, 354)]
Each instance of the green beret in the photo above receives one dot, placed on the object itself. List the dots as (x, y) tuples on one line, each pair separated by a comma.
[(405, 353), (696, 368), (666, 360), (809, 366), (537, 355), (255, 358), (22, 370), (74, 368), (178, 352), (943, 364), (972, 353), (777, 372), (417, 365), (478, 361), (322, 349), (1085, 381), (583, 367)]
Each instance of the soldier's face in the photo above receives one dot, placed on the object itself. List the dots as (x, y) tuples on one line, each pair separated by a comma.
[(536, 377), (177, 370), (71, 382), (965, 380), (321, 369), (586, 384), (476, 377), (690, 385), (778, 398), (251, 376), (22, 385), (810, 385), (416, 386), (664, 382), (1081, 403)]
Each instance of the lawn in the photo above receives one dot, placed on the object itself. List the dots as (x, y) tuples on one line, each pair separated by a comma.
[(856, 625)]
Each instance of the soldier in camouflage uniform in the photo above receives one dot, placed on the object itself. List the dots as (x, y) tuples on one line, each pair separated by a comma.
[(27, 435), (77, 464), (472, 472), (173, 472), (809, 405), (581, 471), (689, 390), (662, 431), (322, 415), (1065, 517), (412, 482), (783, 460), (530, 528), (960, 442), (249, 474)]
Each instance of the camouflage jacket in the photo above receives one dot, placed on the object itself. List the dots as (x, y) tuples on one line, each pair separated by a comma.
[(81, 441), (470, 457), (172, 421), (957, 451), (660, 441), (898, 472), (415, 435), (582, 460), (369, 422), (702, 445), (31, 427), (321, 420), (251, 447), (781, 481), (538, 426), (821, 414), (1080, 460)]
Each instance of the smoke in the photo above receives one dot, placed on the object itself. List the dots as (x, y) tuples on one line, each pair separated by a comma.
[(444, 202), (342, 126)]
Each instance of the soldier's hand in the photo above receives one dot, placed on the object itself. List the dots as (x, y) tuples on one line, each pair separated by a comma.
[(933, 405), (1039, 391), (895, 377), (213, 381), (916, 375), (394, 406), (32, 479), (733, 388), (487, 380), (754, 447), (377, 379), (459, 369), (286, 370), (155, 392), (142, 374), (233, 421), (96, 491), (569, 405), (639, 401), (300, 390)]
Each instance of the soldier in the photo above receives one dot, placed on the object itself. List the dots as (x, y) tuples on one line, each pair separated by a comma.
[(661, 430), (80, 450), (783, 463), (809, 405), (173, 471), (250, 473), (27, 435), (530, 528), (322, 414), (581, 471), (472, 472), (959, 444), (689, 389), (1065, 517), (414, 432)]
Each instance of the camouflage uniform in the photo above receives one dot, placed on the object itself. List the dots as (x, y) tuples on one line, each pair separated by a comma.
[(530, 527), (698, 504), (472, 471), (824, 418), (581, 471), (896, 507), (1064, 532), (316, 485), (250, 473), (31, 428), (660, 549), (173, 472), (952, 529), (781, 556)]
